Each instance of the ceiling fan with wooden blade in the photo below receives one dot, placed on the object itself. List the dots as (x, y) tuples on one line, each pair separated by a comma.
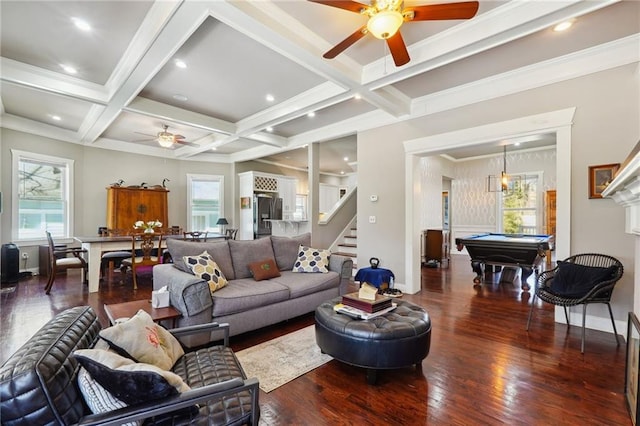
[(167, 139), (387, 16)]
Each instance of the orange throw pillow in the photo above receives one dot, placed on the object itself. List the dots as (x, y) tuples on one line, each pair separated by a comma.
[(264, 269)]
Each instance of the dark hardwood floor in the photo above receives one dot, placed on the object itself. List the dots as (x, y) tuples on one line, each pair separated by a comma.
[(483, 368)]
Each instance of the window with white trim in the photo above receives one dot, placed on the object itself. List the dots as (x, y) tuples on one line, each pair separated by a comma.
[(205, 202), (42, 196), (521, 206)]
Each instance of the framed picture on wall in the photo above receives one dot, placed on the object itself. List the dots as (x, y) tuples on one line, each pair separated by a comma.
[(631, 367), (245, 202), (600, 177)]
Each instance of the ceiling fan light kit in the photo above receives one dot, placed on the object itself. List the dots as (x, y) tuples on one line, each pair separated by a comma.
[(385, 24), (387, 16), (165, 139)]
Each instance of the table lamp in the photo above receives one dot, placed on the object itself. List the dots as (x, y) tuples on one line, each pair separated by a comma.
[(222, 221)]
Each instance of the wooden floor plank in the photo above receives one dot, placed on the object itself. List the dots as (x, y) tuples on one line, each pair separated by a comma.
[(484, 368)]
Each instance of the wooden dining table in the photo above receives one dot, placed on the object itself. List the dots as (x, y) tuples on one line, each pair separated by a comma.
[(96, 245)]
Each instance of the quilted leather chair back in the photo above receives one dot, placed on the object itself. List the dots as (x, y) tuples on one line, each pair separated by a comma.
[(38, 383)]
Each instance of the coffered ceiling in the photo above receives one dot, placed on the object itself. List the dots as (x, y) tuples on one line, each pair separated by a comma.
[(128, 83)]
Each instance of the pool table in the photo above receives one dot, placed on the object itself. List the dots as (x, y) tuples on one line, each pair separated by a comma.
[(520, 250)]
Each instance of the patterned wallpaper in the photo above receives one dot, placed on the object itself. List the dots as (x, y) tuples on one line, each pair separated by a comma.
[(471, 204)]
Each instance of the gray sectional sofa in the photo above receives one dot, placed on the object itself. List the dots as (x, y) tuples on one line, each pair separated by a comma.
[(244, 303)]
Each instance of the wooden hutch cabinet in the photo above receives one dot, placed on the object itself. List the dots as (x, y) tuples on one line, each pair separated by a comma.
[(550, 217), (125, 206), (550, 212)]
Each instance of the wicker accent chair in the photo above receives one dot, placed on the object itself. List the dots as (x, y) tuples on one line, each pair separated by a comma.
[(580, 279)]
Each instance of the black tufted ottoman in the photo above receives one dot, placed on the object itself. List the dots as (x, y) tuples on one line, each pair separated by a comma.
[(397, 339)]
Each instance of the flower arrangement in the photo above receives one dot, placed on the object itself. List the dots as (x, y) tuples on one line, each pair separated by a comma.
[(147, 226)]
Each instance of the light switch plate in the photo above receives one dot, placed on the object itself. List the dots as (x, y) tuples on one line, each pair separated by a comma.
[(373, 198)]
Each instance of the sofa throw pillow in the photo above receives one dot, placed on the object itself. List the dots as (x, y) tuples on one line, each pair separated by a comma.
[(203, 266), (142, 340), (98, 399), (312, 260), (129, 381), (264, 269), (573, 280), (217, 249)]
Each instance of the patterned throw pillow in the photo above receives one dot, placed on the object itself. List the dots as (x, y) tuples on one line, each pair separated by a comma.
[(203, 266), (98, 399), (312, 260), (142, 340), (264, 269)]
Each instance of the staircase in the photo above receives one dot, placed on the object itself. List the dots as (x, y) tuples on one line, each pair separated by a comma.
[(349, 246)]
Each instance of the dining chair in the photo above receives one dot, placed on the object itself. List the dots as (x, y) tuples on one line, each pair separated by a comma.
[(111, 260), (59, 260), (196, 236), (148, 252)]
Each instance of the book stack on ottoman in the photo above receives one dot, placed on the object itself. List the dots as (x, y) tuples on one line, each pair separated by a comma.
[(369, 306)]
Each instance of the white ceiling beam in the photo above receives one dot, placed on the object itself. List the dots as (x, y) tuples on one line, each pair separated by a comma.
[(156, 18), (186, 19), (26, 125), (53, 82), (313, 99), (500, 25), (166, 112), (297, 43)]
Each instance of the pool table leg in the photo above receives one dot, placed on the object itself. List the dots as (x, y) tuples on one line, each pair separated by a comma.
[(526, 273), (477, 268)]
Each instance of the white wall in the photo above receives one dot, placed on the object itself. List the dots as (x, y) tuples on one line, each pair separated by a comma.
[(95, 170), (605, 129), (432, 170)]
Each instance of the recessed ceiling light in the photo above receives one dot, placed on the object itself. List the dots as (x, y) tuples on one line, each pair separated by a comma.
[(311, 114), (81, 24), (346, 158), (69, 69), (214, 149), (358, 96), (269, 129), (270, 97), (341, 172), (55, 117), (180, 64), (180, 98), (563, 26)]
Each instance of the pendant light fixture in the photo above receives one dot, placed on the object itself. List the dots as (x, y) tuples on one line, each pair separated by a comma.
[(504, 182)]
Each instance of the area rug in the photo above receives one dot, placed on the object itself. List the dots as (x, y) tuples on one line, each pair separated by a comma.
[(281, 360)]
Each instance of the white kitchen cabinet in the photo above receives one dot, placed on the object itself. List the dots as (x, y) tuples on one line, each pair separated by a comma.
[(287, 188)]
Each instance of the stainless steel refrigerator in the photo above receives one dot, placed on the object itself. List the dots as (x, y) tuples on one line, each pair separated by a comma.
[(265, 208)]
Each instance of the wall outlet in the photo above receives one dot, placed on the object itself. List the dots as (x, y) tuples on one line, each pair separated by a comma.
[(372, 219), (25, 255)]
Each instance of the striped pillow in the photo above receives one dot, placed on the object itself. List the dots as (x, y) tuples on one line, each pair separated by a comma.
[(98, 399)]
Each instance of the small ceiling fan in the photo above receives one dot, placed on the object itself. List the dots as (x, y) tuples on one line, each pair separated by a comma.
[(167, 139), (387, 16)]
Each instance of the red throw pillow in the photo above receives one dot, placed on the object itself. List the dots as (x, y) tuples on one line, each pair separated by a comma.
[(264, 269)]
